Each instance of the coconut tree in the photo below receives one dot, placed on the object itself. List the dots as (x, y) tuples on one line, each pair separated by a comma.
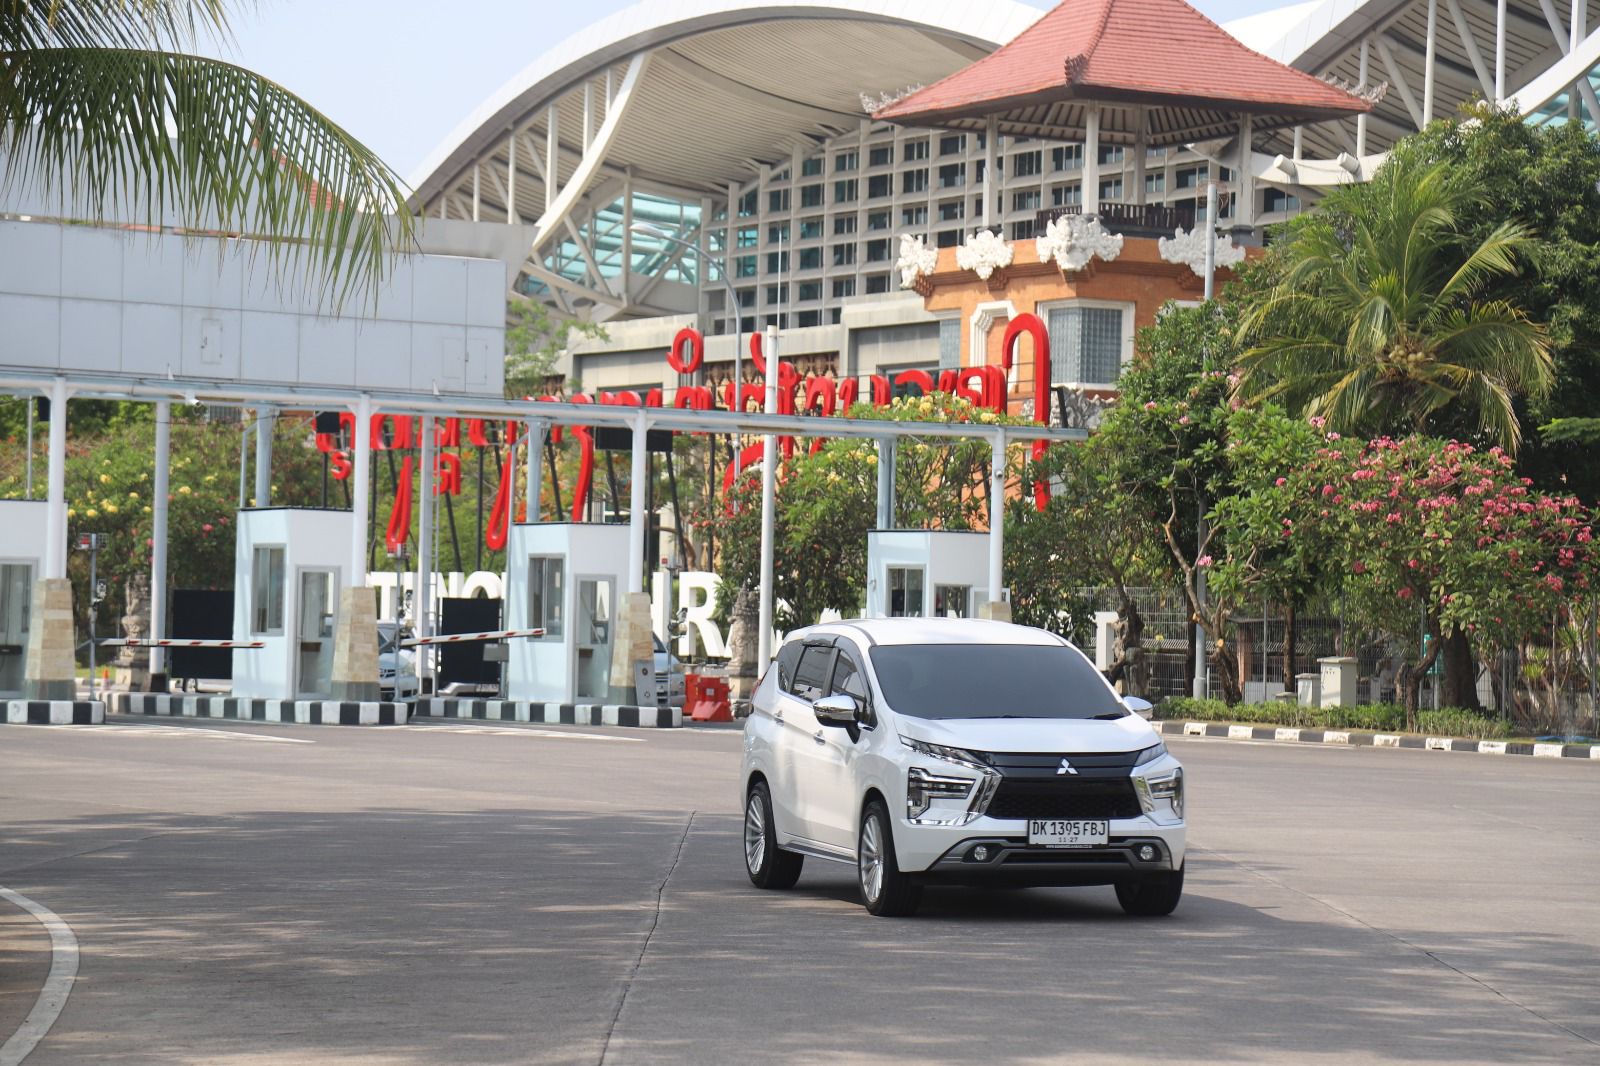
[(1381, 320), (101, 107)]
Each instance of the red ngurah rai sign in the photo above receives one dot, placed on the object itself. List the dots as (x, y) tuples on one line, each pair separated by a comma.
[(983, 386)]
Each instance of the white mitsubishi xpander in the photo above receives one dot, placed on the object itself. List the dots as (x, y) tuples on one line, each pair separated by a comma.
[(956, 751)]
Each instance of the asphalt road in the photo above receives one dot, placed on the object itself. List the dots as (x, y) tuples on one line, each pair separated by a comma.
[(496, 894)]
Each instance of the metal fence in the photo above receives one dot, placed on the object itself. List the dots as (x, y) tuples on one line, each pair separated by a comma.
[(1545, 684)]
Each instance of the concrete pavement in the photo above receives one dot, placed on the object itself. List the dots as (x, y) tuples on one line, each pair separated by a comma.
[(498, 894)]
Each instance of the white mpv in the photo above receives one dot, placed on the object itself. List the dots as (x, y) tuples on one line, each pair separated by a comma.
[(927, 751)]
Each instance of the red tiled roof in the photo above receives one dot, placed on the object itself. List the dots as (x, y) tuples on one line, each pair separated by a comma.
[(1160, 53)]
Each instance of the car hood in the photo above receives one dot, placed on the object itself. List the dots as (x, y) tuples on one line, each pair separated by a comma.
[(1129, 733)]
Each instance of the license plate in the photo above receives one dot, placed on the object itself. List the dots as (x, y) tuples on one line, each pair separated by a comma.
[(1053, 833)]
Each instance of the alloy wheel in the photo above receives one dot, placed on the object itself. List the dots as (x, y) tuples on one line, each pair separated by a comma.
[(871, 859), (755, 832)]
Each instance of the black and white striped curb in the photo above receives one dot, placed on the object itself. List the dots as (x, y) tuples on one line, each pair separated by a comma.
[(245, 709), (590, 714), (53, 712), (1351, 738)]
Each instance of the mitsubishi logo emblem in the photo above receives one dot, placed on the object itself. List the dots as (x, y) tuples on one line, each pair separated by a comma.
[(1065, 768)]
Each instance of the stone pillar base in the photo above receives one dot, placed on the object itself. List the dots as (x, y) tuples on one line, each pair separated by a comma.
[(630, 643), (355, 647), (995, 611), (50, 673)]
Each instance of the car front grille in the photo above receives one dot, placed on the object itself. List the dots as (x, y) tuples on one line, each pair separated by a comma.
[(1019, 798)]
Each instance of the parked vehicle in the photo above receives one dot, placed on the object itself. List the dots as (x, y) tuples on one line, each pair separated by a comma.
[(397, 666), (929, 751)]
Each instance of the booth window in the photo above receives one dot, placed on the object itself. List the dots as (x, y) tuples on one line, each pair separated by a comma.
[(544, 594), (951, 601), (905, 592), (266, 590), (1087, 344)]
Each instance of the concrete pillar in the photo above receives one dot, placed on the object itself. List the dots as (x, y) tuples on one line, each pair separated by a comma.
[(1091, 159), (158, 544), (1141, 147), (1429, 52), (48, 673), (355, 637), (1500, 51), (1361, 119), (511, 177), (990, 136), (1245, 181)]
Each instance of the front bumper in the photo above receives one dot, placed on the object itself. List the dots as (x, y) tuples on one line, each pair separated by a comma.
[(941, 853)]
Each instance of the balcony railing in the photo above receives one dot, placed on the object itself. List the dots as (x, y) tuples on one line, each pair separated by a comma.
[(1135, 220)]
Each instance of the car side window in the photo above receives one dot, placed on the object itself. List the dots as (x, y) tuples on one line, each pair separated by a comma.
[(811, 676), (847, 679), (788, 659)]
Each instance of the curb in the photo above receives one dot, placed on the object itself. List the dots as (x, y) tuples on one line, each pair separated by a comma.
[(52, 712), (1350, 738), (246, 709), (538, 713)]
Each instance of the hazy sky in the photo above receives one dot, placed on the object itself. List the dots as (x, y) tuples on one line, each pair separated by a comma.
[(401, 75)]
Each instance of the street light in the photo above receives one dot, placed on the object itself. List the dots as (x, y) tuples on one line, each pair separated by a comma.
[(646, 229)]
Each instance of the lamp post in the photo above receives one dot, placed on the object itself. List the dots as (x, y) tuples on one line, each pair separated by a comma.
[(646, 229), (1202, 663)]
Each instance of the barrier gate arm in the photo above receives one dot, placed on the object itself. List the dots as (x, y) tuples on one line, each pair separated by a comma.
[(461, 638), (139, 642)]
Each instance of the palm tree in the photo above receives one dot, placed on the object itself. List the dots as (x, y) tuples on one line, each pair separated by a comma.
[(101, 108), (1379, 322)]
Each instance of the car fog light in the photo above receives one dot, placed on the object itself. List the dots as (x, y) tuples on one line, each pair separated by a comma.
[(980, 853), (1147, 853)]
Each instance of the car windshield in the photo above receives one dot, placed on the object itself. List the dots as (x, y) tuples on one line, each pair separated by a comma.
[(992, 681), (386, 637)]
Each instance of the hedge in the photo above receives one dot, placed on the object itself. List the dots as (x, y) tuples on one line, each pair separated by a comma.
[(1376, 717)]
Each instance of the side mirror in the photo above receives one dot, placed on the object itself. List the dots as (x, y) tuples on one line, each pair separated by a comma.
[(839, 709), (1140, 707)]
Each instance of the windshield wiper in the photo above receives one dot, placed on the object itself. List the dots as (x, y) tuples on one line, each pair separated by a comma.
[(1109, 716)]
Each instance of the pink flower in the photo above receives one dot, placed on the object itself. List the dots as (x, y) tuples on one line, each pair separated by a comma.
[(1554, 582), (1317, 422), (1333, 436), (1405, 593), (1281, 482), (1412, 563), (1184, 421), (1204, 560), (1359, 567), (1150, 405), (207, 527)]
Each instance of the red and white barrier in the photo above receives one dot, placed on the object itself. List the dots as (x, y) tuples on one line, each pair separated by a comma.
[(459, 638), (138, 642)]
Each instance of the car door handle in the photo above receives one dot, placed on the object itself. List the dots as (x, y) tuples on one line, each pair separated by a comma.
[(778, 717), (817, 736)]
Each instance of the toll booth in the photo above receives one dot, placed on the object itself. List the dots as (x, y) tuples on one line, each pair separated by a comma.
[(22, 545), (926, 573), (568, 579), (289, 565)]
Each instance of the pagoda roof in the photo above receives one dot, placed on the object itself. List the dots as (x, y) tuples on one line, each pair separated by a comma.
[(1188, 77)]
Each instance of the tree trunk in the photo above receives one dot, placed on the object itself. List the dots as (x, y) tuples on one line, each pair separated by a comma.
[(1406, 681), (1288, 648), (1188, 659), (1128, 664), (1460, 673), (1227, 670)]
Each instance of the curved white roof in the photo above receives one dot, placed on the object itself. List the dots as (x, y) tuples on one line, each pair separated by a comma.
[(762, 74)]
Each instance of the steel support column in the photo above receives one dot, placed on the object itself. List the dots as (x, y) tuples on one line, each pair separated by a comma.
[(997, 511), (158, 543), (638, 517), (769, 462), (266, 420), (1428, 64), (360, 471), (1090, 191), (422, 581), (55, 548)]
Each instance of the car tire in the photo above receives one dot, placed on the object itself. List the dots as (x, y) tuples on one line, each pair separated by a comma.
[(768, 865), (885, 890), (1152, 897)]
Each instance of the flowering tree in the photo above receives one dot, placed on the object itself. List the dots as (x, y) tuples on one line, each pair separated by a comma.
[(1435, 537)]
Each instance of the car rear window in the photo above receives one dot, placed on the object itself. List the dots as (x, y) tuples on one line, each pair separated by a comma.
[(992, 681)]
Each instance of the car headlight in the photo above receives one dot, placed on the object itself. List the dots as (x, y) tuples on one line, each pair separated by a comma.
[(922, 788), (960, 756), (1151, 754), (1167, 789)]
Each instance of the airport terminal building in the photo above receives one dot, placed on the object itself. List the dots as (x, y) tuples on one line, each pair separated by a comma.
[(715, 163)]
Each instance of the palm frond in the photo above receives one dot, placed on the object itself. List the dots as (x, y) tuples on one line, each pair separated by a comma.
[(148, 131), (31, 24), (1495, 255)]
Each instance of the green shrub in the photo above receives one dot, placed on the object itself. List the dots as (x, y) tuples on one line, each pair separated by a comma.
[(1369, 717), (1459, 722)]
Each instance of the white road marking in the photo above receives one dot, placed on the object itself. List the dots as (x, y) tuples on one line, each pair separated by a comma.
[(57, 986), (200, 733), (502, 731)]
